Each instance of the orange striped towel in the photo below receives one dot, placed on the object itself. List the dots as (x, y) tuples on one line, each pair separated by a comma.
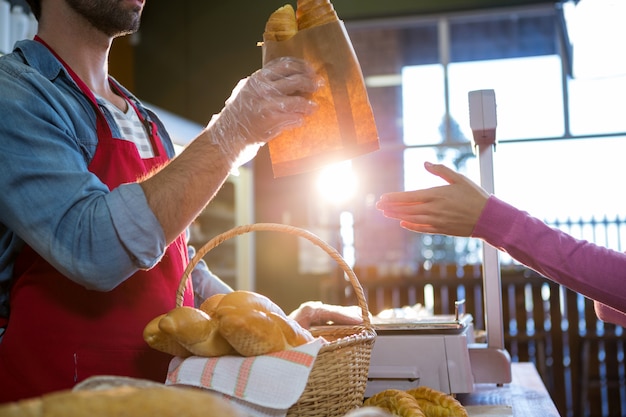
[(266, 385)]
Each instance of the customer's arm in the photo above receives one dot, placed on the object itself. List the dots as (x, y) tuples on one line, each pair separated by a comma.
[(594, 271), (462, 208)]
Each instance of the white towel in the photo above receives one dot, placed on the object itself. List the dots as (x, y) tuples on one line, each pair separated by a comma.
[(265, 386)]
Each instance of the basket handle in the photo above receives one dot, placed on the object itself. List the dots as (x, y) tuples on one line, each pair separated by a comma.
[(239, 230)]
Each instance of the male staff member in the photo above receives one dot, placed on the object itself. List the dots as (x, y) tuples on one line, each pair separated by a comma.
[(93, 211)]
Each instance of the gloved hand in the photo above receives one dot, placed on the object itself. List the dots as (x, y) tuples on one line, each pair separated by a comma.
[(272, 99), (313, 313)]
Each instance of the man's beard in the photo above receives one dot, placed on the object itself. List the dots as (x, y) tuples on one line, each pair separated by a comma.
[(108, 16)]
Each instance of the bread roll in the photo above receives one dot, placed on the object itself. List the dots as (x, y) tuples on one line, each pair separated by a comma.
[(210, 304), (161, 341), (294, 333), (123, 401), (256, 332), (248, 300), (281, 24), (196, 331), (312, 13), (254, 325), (240, 322), (252, 332), (188, 325)]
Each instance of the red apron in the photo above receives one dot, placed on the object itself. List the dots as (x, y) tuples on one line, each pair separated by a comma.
[(60, 333)]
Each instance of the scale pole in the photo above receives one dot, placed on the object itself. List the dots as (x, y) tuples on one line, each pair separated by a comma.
[(490, 363), (492, 289)]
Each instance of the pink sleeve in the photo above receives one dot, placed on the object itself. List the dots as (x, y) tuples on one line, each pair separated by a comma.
[(591, 270)]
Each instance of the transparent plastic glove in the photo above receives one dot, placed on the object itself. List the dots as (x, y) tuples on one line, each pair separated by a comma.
[(313, 313), (272, 99)]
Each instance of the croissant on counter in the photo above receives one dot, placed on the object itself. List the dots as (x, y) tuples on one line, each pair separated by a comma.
[(238, 323), (397, 402), (417, 402), (436, 403)]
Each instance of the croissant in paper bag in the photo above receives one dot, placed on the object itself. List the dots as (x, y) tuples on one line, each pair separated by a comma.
[(284, 23), (343, 126), (312, 13), (281, 24)]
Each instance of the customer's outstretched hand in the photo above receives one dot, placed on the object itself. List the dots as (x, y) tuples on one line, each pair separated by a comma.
[(451, 209)]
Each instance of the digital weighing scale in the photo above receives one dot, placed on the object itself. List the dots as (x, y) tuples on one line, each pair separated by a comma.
[(440, 351)]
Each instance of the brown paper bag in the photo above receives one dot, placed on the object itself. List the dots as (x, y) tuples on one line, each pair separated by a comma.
[(343, 126)]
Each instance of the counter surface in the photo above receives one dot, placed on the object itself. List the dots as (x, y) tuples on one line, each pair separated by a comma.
[(526, 396)]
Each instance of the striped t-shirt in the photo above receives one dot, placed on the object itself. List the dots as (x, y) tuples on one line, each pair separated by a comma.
[(131, 127)]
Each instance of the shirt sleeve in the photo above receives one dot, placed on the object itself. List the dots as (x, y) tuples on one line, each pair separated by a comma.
[(594, 271), (50, 200), (205, 283)]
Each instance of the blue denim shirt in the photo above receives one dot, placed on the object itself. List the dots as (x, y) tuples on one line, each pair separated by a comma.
[(49, 199)]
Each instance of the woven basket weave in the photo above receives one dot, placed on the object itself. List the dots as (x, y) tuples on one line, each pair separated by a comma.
[(338, 378)]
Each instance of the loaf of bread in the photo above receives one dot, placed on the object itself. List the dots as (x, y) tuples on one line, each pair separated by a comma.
[(241, 322), (123, 401)]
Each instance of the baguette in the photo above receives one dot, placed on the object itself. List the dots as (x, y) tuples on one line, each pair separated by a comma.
[(123, 401)]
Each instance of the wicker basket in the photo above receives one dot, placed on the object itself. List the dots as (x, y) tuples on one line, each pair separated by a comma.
[(337, 381)]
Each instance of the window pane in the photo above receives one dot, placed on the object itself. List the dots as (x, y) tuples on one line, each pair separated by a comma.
[(428, 248), (420, 44), (423, 104), (416, 176), (497, 37), (528, 95), (563, 178), (597, 105)]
